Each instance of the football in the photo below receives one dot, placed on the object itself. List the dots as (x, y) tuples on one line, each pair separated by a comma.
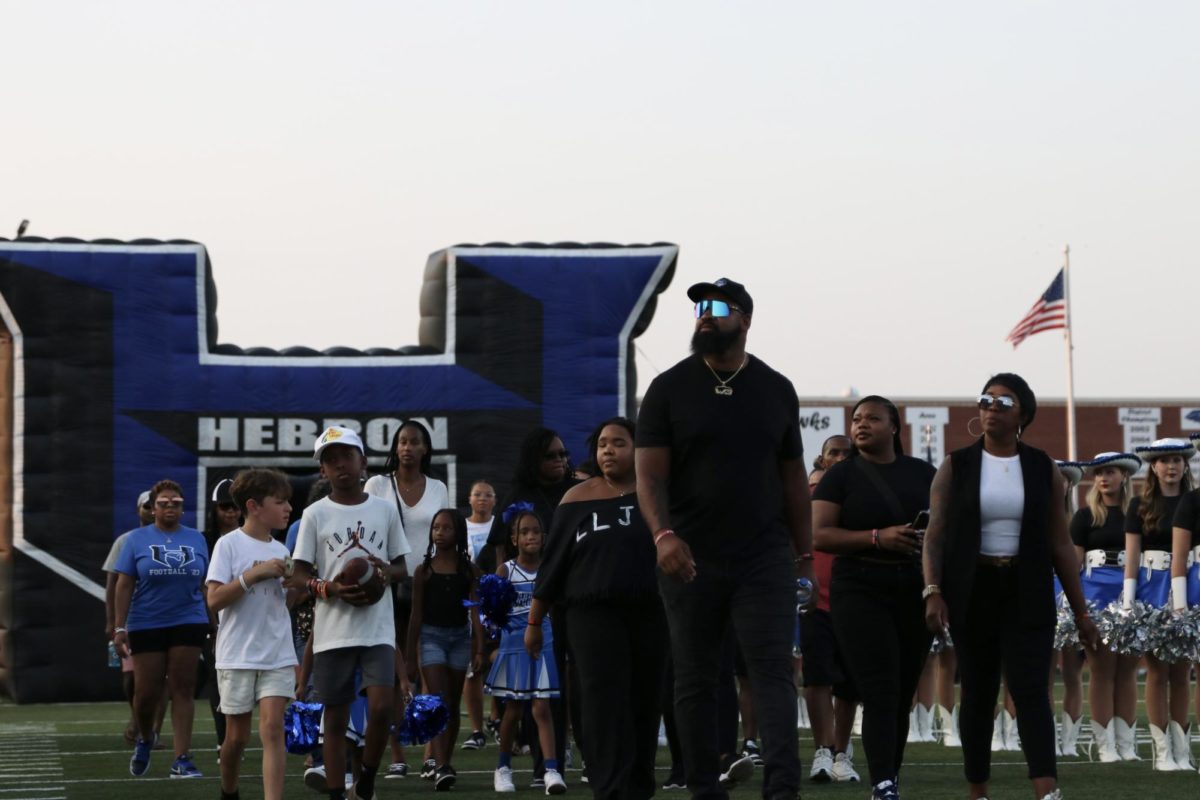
[(362, 572)]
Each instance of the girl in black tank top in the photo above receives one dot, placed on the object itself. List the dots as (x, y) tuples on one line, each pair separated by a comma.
[(444, 633)]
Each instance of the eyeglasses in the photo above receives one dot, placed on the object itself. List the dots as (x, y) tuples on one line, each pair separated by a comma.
[(557, 455), (718, 308), (169, 503), (998, 402)]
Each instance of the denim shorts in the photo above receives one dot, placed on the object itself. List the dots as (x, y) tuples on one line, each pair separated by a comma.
[(449, 646)]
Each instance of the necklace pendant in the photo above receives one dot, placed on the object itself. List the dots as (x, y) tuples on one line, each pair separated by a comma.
[(724, 391)]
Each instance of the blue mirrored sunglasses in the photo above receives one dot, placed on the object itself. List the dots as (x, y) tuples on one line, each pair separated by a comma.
[(718, 308)]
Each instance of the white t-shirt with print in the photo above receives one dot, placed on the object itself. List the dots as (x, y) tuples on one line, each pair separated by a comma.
[(418, 517), (330, 535), (256, 629), (477, 536)]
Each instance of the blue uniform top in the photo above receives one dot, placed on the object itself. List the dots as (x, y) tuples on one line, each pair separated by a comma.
[(169, 570)]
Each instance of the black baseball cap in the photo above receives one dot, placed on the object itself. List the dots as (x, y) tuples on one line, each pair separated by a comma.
[(723, 286)]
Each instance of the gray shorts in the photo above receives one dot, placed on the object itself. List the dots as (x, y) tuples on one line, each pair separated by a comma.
[(334, 672)]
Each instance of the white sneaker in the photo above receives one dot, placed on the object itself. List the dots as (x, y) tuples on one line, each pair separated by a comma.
[(554, 782), (502, 780), (843, 769), (740, 769), (822, 766), (1055, 795)]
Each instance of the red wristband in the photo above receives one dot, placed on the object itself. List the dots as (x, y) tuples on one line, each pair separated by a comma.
[(660, 535), (875, 538)]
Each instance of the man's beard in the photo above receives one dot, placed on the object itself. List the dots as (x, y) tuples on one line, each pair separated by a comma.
[(714, 342)]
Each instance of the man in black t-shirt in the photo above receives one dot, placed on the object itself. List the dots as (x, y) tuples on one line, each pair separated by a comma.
[(721, 482)]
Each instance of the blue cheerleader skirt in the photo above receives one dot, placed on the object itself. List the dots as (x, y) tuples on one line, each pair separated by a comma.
[(1154, 586), (1104, 585), (1193, 585), (517, 676)]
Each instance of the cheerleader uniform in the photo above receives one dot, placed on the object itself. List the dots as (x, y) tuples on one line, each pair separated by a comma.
[(1188, 516), (514, 673), (1104, 554), (1154, 576)]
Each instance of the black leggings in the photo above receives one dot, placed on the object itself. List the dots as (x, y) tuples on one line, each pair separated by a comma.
[(879, 621), (994, 638)]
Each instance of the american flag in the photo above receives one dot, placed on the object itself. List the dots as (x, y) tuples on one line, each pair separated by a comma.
[(1048, 313)]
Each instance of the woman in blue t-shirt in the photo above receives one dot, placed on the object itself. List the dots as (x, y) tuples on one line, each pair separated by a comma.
[(163, 621)]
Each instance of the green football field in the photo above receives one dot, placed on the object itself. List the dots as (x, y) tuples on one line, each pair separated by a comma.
[(76, 751)]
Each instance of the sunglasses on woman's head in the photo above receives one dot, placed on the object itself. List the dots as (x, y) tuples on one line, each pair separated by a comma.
[(999, 402), (718, 308)]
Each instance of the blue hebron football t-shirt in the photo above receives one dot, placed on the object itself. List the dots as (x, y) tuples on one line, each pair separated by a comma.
[(169, 570)]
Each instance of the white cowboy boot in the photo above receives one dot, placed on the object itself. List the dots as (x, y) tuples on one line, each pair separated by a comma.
[(1181, 746), (1069, 735), (949, 720), (1161, 744), (1055, 795), (998, 731), (914, 724), (856, 728), (802, 720), (1012, 739), (925, 717), (1106, 747), (1125, 736)]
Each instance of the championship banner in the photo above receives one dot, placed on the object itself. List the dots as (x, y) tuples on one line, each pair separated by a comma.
[(117, 380)]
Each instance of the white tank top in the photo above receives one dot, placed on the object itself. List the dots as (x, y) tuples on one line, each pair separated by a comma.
[(1001, 505)]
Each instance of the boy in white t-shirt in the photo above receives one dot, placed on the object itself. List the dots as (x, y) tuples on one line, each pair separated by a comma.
[(255, 658), (349, 632)]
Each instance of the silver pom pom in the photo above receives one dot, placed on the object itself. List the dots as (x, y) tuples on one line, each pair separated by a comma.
[(1175, 636), (940, 643), (1126, 631)]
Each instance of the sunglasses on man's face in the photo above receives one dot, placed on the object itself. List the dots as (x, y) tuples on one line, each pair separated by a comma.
[(999, 402), (718, 308)]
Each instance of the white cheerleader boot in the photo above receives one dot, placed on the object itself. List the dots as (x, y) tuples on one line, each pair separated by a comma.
[(949, 720), (856, 728), (1070, 736), (914, 724), (1161, 744), (925, 719), (1012, 739), (998, 732), (1181, 746), (1125, 737), (1103, 735), (802, 720)]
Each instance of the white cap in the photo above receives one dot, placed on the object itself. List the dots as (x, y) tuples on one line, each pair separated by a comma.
[(143, 498), (337, 435)]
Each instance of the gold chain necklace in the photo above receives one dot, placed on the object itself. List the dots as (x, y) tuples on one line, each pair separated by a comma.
[(723, 388), (616, 488)]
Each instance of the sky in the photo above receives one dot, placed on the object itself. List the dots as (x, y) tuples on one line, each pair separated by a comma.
[(893, 182)]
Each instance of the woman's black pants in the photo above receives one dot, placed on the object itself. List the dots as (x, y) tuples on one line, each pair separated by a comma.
[(995, 638), (879, 621)]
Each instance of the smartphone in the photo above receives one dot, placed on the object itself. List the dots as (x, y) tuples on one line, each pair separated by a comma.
[(921, 522)]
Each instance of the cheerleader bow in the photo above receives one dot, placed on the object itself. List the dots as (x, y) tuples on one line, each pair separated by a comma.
[(515, 509)]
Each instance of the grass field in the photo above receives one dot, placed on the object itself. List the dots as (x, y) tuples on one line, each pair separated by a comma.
[(76, 751)]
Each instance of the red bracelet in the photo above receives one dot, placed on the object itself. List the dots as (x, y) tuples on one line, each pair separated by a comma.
[(664, 533), (875, 538)]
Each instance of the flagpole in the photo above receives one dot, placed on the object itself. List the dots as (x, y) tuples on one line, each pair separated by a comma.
[(1071, 450)]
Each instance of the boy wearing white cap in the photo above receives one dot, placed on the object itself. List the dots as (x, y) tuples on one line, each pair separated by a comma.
[(350, 632)]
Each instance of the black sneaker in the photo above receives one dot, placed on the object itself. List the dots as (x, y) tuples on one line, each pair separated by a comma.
[(538, 782), (429, 769), (444, 778), (735, 771), (750, 748), (397, 769), (674, 780), (476, 741)]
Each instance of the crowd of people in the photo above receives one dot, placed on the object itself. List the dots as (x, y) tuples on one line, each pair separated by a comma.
[(672, 568)]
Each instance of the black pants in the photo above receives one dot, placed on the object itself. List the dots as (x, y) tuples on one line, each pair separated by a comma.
[(879, 622), (756, 592), (620, 650), (994, 638)]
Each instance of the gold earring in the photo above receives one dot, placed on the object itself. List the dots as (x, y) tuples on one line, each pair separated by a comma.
[(972, 433)]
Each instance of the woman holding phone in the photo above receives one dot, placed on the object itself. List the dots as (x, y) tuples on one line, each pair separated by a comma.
[(869, 511)]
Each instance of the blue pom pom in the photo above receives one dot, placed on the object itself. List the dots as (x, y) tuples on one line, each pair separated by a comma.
[(424, 718), (496, 598), (302, 727)]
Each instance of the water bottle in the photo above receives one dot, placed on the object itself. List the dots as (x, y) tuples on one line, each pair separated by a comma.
[(114, 660), (804, 593)]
